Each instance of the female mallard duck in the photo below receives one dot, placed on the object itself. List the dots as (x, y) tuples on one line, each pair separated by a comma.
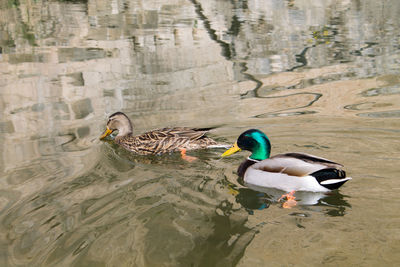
[(287, 172), (157, 141)]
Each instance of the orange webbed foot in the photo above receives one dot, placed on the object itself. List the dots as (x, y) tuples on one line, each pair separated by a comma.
[(290, 200), (186, 157)]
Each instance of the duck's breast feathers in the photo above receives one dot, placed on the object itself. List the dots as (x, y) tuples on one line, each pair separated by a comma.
[(244, 166), (295, 164)]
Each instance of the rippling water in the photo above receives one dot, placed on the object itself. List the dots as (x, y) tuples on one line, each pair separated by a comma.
[(320, 77)]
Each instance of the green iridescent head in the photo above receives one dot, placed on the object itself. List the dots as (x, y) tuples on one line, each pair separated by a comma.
[(254, 141)]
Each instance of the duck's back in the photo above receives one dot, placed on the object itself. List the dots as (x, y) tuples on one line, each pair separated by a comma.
[(167, 140), (296, 164)]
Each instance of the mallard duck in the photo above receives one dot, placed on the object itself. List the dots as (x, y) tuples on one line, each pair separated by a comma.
[(287, 172), (157, 141)]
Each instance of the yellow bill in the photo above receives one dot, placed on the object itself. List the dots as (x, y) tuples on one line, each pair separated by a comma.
[(231, 150), (106, 133)]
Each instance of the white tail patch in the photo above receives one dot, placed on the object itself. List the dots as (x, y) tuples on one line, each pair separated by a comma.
[(335, 181)]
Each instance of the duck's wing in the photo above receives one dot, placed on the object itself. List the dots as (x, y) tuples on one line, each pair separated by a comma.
[(311, 159), (170, 133), (188, 138), (295, 164), (154, 142), (167, 140), (185, 132)]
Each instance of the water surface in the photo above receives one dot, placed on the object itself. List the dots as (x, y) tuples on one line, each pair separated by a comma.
[(320, 77)]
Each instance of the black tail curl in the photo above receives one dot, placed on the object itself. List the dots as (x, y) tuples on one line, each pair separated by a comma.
[(327, 174)]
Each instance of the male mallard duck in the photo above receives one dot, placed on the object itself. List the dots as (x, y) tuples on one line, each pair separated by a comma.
[(157, 141), (287, 172)]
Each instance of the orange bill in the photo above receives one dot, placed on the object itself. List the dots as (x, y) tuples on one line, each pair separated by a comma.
[(106, 133)]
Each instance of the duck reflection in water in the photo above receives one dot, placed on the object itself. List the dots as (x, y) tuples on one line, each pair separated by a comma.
[(259, 198)]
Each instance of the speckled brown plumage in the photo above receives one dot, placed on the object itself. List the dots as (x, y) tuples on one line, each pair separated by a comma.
[(156, 141)]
